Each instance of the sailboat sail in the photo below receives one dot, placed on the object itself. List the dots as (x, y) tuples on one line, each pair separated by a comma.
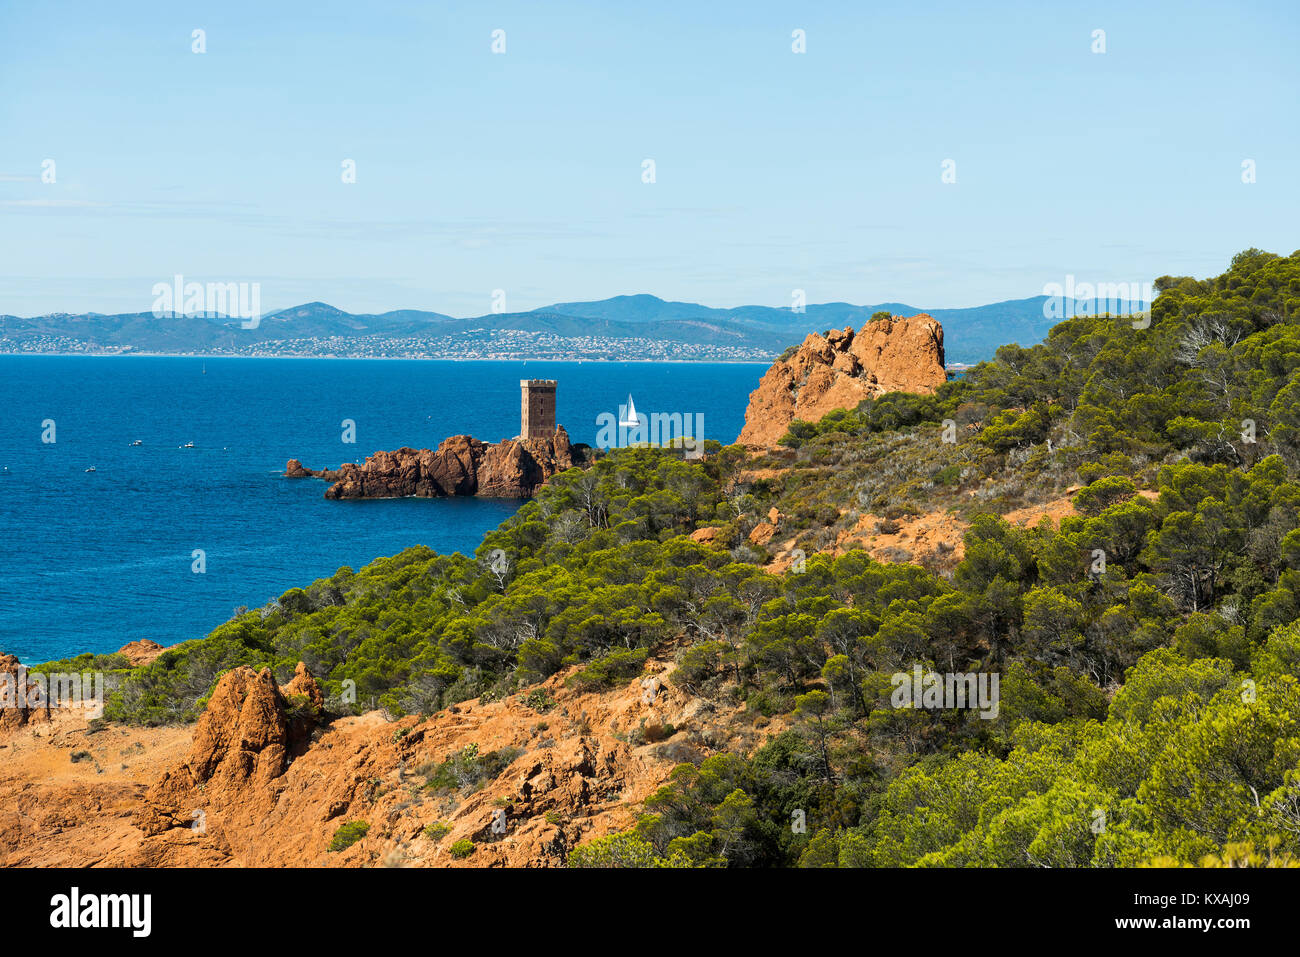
[(628, 416)]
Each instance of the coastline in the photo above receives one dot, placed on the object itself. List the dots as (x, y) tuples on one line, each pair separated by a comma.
[(265, 412), (224, 355)]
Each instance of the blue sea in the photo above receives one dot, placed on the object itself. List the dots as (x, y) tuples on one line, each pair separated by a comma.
[(92, 560)]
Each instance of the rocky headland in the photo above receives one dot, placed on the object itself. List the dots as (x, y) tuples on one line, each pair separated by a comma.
[(461, 465)]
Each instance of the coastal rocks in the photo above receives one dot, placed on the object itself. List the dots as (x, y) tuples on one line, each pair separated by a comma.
[(461, 465), (840, 369)]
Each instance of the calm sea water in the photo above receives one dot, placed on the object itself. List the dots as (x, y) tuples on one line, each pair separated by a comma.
[(92, 560)]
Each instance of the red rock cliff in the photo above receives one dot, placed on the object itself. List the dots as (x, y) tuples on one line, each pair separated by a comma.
[(840, 369)]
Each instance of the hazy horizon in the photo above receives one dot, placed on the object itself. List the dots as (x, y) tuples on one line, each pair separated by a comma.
[(273, 309)]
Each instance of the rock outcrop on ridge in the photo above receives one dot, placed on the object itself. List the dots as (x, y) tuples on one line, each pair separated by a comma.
[(22, 700), (461, 465), (840, 369), (141, 651), (243, 742)]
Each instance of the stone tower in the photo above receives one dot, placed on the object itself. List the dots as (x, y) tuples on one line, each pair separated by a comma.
[(537, 414)]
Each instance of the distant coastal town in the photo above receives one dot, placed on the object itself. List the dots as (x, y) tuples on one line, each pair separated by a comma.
[(506, 344)]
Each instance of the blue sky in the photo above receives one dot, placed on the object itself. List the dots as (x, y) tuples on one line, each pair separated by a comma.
[(522, 171)]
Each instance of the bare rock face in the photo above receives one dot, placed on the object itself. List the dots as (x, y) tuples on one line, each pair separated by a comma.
[(242, 743), (461, 465), (840, 369), (705, 536), (141, 652), (22, 700)]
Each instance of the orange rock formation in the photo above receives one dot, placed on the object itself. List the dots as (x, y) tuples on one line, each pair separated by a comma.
[(840, 369)]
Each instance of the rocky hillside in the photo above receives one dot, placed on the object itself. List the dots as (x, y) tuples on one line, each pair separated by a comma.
[(461, 465), (265, 778), (840, 369)]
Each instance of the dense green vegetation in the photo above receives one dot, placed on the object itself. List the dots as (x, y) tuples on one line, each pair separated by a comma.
[(1147, 649), (590, 574)]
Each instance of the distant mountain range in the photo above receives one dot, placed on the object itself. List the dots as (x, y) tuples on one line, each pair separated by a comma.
[(624, 327)]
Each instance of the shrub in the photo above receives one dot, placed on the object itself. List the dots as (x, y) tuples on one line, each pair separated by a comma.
[(462, 848), (1097, 497), (679, 752), (437, 830), (348, 834), (1112, 463), (948, 475), (659, 732), (540, 700), (700, 662), (617, 667), (466, 771)]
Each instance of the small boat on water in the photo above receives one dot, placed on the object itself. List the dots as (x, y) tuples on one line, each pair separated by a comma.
[(91, 469), (187, 445), (627, 414), (137, 442)]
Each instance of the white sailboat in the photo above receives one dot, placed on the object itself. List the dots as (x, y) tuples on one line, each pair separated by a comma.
[(627, 414)]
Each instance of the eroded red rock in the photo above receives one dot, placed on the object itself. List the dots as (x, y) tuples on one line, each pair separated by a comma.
[(840, 369), (141, 652), (461, 465)]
